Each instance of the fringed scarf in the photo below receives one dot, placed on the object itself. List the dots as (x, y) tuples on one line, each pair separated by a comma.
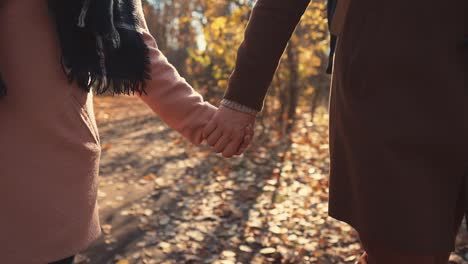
[(101, 45)]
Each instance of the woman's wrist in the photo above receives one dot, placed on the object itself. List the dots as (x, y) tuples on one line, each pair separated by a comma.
[(238, 107)]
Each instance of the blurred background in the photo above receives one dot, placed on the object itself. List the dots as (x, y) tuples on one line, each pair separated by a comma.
[(165, 201)]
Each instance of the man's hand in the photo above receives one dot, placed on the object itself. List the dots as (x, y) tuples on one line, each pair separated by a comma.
[(229, 132)]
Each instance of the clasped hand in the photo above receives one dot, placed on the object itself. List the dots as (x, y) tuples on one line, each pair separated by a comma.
[(229, 132)]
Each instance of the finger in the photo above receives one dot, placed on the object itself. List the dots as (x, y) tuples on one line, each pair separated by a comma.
[(249, 134), (214, 137), (249, 130), (208, 129), (222, 143), (232, 147), (244, 141), (245, 144)]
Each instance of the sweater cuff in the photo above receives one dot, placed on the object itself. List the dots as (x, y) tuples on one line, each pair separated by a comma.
[(239, 107)]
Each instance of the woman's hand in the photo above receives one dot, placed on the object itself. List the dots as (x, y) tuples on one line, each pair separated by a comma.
[(229, 132)]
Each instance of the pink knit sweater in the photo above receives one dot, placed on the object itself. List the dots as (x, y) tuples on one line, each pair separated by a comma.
[(49, 142)]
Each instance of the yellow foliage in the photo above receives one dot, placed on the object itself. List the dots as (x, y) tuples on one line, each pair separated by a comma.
[(210, 31)]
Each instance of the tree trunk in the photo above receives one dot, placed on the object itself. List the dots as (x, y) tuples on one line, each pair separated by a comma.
[(294, 86)]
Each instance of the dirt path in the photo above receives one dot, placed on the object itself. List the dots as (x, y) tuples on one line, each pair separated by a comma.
[(164, 201)]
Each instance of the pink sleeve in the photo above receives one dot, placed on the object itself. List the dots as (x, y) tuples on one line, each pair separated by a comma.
[(172, 98)]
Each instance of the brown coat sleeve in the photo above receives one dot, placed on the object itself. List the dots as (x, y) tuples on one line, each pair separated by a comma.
[(269, 30)]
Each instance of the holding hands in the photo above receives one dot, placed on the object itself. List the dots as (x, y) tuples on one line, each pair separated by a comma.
[(231, 129)]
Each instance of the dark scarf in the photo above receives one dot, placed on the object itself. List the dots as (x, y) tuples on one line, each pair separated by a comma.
[(101, 46)]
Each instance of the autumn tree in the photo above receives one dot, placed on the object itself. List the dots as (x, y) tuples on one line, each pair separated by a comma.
[(201, 37)]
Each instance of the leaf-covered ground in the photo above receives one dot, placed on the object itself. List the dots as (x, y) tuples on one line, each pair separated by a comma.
[(165, 201)]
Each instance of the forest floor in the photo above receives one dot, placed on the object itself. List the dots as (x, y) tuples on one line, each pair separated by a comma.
[(165, 201)]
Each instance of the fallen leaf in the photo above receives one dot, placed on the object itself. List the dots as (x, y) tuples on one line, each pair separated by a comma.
[(106, 229), (267, 251), (228, 254), (245, 248)]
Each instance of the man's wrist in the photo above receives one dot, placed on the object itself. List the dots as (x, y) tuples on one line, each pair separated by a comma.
[(239, 107)]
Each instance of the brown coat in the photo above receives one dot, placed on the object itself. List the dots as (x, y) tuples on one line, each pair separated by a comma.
[(398, 113)]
